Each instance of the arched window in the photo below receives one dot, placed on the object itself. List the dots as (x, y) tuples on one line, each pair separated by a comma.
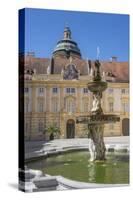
[(110, 104), (40, 105), (85, 105), (70, 105), (55, 105)]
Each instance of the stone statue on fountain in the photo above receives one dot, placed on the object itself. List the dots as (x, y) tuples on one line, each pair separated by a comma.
[(96, 105), (97, 75)]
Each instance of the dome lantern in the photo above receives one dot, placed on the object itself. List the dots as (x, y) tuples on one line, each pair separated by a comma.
[(67, 33)]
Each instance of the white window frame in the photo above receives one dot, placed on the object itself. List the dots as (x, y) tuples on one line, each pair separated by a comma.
[(55, 90)]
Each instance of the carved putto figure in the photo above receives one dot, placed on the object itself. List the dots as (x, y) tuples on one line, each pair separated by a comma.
[(96, 105)]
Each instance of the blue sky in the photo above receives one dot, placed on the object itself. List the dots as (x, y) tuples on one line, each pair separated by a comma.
[(44, 28)]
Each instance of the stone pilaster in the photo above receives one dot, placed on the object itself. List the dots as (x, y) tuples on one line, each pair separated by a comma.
[(78, 100), (33, 99), (48, 99)]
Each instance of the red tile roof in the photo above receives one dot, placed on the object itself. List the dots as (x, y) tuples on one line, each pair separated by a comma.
[(119, 69)]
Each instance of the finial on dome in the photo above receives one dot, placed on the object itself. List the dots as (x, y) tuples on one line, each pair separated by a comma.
[(67, 32)]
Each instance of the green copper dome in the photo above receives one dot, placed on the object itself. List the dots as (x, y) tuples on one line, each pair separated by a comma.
[(67, 46)]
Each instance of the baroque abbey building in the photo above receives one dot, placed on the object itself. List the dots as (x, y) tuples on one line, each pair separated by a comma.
[(55, 92)]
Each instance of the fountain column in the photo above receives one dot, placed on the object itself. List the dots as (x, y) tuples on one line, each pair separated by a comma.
[(96, 135)]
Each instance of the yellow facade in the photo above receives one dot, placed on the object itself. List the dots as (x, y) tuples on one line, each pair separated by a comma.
[(51, 100)]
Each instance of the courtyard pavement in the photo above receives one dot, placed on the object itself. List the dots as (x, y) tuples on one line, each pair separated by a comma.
[(34, 149)]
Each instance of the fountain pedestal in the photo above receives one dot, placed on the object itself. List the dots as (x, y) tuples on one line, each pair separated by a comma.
[(96, 135)]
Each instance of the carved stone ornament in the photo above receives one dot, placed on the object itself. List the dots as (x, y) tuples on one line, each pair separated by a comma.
[(71, 72)]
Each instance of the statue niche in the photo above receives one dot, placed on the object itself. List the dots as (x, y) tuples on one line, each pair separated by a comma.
[(70, 72)]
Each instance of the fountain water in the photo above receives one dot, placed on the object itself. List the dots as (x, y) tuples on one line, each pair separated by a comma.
[(97, 118)]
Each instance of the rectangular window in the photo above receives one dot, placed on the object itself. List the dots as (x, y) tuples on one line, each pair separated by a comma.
[(41, 90), (55, 90), (125, 107), (123, 91), (26, 90), (85, 90), (70, 90)]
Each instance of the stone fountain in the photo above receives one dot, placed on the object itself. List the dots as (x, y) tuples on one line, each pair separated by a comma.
[(97, 118)]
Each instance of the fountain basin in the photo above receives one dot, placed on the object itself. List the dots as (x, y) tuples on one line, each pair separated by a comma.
[(76, 166), (98, 119), (96, 86)]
